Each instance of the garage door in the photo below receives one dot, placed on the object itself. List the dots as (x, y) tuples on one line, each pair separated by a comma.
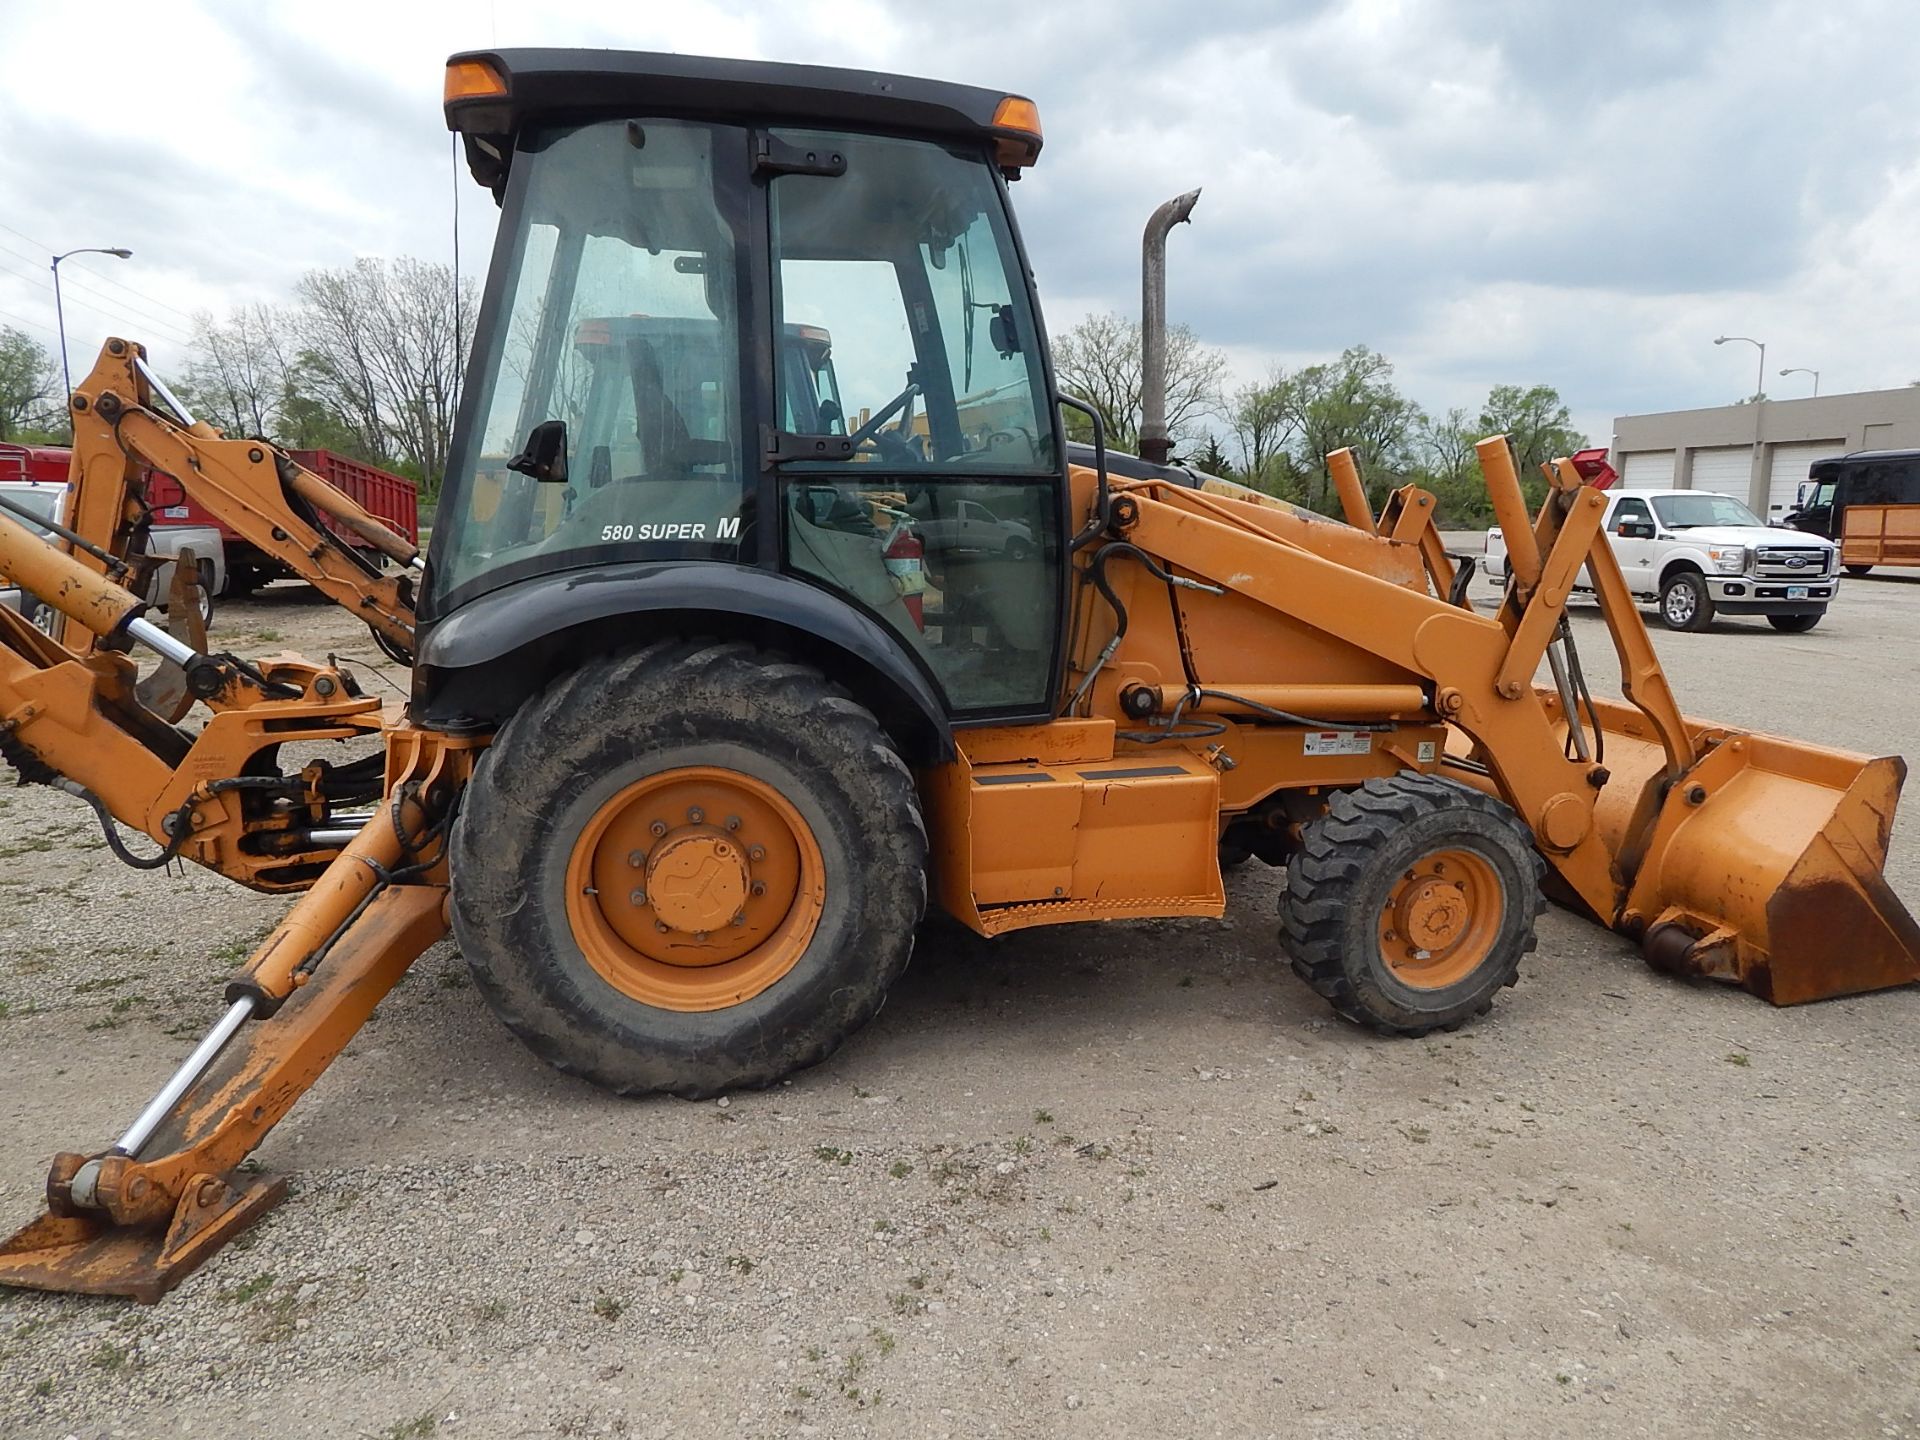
[(1789, 468), (1727, 469), (1647, 470)]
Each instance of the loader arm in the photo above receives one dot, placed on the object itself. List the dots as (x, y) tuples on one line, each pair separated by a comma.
[(125, 420), (1728, 855)]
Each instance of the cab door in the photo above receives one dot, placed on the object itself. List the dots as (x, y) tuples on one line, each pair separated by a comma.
[(1630, 531), (899, 257)]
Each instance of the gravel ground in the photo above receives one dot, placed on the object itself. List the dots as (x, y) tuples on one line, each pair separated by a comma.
[(1119, 1181)]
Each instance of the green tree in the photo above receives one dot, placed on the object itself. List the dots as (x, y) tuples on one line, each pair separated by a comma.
[(29, 385), (1538, 423), (1353, 403), (1211, 459)]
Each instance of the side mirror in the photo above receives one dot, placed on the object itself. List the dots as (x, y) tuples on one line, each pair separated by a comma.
[(1635, 529), (1004, 333), (545, 454)]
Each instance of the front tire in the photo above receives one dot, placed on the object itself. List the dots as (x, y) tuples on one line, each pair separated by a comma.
[(1410, 903), (692, 868), (1684, 601), (1794, 624)]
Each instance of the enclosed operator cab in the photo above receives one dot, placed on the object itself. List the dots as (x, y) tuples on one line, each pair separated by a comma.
[(799, 343)]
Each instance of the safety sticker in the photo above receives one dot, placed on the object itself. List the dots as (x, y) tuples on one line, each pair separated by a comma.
[(1337, 742), (1429, 750)]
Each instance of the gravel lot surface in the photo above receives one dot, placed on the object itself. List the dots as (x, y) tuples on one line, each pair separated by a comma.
[(1121, 1181)]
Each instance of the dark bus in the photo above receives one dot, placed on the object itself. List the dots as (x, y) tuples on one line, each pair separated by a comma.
[(1866, 478)]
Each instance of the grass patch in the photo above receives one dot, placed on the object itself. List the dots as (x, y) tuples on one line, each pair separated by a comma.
[(251, 1289), (608, 1308), (832, 1156), (1739, 1058), (108, 982), (424, 1423), (110, 1358)]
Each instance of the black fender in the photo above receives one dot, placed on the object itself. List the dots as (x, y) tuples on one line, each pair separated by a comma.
[(479, 664)]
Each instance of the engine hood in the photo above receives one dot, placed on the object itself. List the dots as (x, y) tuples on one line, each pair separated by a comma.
[(1752, 536)]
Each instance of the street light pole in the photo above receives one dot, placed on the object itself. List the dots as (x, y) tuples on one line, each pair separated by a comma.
[(59, 311), (1760, 382), (1802, 370)]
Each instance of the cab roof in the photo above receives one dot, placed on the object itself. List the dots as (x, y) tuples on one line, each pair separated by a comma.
[(560, 86)]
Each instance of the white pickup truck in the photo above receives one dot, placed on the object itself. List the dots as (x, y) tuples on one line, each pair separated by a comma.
[(1698, 554), (48, 501)]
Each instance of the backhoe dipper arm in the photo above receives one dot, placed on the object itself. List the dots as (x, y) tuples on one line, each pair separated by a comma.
[(137, 1218), (249, 485)]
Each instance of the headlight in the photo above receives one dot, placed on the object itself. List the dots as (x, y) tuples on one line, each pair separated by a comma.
[(1728, 559)]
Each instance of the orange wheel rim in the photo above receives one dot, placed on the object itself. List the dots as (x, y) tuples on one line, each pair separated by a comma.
[(1441, 919), (695, 889)]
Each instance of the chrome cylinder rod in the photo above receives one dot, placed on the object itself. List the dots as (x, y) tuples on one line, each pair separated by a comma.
[(159, 388), (1568, 706), (195, 1065), (160, 642)]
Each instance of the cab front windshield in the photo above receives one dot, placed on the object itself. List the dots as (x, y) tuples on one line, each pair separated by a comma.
[(1688, 512), (619, 319)]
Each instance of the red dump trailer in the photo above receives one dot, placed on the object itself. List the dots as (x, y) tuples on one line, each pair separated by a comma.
[(388, 497)]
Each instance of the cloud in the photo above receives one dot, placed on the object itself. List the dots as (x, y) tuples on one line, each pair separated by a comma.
[(1483, 190)]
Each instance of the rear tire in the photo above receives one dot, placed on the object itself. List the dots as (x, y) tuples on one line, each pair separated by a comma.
[(591, 975), (1684, 601), (1794, 624), (1857, 569), (1405, 861)]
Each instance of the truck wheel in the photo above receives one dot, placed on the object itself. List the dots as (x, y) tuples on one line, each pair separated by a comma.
[(1794, 624), (1857, 569), (1684, 601), (692, 868), (204, 570), (1410, 903)]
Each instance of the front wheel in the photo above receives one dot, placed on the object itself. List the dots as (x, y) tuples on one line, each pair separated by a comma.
[(1794, 624), (692, 868), (1410, 903), (1684, 601)]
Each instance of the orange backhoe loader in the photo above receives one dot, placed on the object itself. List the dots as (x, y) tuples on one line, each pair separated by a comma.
[(682, 767)]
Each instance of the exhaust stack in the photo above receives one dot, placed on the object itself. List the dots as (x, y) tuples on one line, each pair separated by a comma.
[(1155, 444)]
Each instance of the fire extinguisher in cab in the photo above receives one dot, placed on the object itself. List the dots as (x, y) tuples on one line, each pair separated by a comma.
[(904, 555)]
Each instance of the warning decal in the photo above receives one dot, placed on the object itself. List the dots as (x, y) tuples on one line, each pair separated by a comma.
[(1337, 742)]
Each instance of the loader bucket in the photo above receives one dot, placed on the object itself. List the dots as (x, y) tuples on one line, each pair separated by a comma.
[(1761, 864)]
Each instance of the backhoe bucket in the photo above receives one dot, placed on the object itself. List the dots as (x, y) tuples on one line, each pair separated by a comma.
[(1762, 864)]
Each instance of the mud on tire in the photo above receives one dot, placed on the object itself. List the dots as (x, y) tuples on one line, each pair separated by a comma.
[(616, 721), (1352, 864)]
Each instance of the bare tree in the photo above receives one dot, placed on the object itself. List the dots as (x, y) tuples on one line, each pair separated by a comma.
[(29, 382), (239, 372), (1446, 446), (1264, 417), (1098, 361), (378, 348)]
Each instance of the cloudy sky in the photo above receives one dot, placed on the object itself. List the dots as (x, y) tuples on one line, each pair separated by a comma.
[(1485, 190)]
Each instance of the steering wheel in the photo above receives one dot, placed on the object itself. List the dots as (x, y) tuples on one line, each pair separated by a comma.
[(892, 444)]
